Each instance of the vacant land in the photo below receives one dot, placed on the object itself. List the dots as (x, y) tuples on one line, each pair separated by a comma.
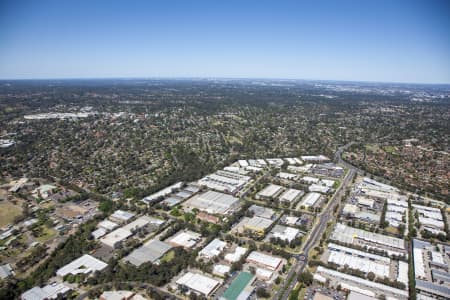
[(8, 212)]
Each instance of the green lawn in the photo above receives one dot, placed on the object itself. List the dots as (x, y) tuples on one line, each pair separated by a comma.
[(47, 234), (168, 256)]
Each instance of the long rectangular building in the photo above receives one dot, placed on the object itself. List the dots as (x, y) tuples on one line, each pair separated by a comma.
[(350, 235), (199, 283), (82, 265), (213, 203), (264, 260)]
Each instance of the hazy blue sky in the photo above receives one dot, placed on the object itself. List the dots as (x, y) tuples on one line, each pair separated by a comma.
[(402, 41)]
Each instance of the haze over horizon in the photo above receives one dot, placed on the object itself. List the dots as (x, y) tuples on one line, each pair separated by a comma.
[(404, 42)]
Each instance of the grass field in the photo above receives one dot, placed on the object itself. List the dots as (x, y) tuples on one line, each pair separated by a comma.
[(8, 212), (48, 234), (168, 256)]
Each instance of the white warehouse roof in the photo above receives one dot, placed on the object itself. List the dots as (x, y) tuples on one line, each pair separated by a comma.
[(82, 265), (270, 191), (199, 283), (213, 202), (214, 248), (269, 261)]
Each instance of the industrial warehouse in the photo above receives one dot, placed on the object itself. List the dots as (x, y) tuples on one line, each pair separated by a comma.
[(213, 203), (151, 251), (225, 181), (198, 283), (350, 235), (82, 265)]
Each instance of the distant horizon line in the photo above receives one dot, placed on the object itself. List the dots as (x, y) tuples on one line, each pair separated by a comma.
[(221, 78)]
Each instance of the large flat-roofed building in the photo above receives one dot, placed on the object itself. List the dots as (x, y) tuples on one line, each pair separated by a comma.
[(350, 235), (121, 216), (291, 196), (213, 249), (284, 233), (269, 192), (314, 158), (199, 283), (213, 202), (264, 260), (225, 181), (240, 288), (114, 238), (287, 176), (107, 225), (5, 271), (82, 265), (151, 251), (254, 224), (261, 211), (236, 255), (359, 260), (186, 239), (354, 283), (162, 193), (319, 188), (142, 222), (50, 291), (311, 199), (431, 269)]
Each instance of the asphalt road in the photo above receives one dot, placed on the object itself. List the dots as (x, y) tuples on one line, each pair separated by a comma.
[(317, 232)]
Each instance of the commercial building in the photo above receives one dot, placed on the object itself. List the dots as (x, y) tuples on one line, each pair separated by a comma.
[(300, 169), (96, 234), (311, 199), (5, 271), (114, 238), (261, 211), (121, 295), (240, 288), (430, 217), (254, 224), (162, 193), (213, 249), (291, 196), (121, 216), (284, 233), (82, 265), (319, 188), (213, 202), (185, 238), (51, 291), (44, 191), (221, 270), (225, 181), (350, 235), (151, 251), (359, 260), (288, 176), (360, 285), (310, 180), (277, 162), (142, 222), (431, 269), (199, 283), (236, 255), (171, 201), (314, 158), (107, 225), (265, 261), (269, 192)]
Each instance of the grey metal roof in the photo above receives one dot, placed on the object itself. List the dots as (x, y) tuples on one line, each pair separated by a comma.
[(149, 252)]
